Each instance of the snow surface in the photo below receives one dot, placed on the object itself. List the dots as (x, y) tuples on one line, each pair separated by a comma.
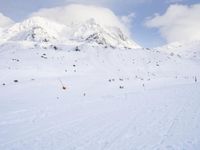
[(74, 95), (187, 49)]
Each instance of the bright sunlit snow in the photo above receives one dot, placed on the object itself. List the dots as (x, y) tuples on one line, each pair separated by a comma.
[(89, 86)]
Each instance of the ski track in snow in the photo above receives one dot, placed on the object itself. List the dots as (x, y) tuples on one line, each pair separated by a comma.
[(136, 121)]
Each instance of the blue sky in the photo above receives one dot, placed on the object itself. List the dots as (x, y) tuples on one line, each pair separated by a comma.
[(147, 37)]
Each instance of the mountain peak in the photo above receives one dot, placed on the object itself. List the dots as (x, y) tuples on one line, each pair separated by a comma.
[(38, 29), (95, 34), (35, 29)]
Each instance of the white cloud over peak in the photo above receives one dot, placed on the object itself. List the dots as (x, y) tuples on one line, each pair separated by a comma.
[(178, 23), (78, 13), (5, 21), (128, 20)]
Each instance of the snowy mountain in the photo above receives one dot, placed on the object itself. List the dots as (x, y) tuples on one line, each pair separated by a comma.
[(183, 49), (93, 33), (34, 29), (39, 29), (90, 87)]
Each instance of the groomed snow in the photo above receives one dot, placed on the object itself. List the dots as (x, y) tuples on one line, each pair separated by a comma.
[(39, 115), (70, 96)]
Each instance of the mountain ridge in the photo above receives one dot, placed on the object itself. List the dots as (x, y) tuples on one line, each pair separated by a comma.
[(38, 29)]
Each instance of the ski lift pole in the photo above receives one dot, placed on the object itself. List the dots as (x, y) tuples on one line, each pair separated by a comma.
[(63, 87)]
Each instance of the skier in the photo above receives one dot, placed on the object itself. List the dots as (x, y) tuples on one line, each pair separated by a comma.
[(195, 79)]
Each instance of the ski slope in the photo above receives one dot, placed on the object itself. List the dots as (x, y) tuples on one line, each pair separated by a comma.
[(40, 115), (82, 95)]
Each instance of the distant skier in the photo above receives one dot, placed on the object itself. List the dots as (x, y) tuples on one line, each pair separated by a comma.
[(195, 79)]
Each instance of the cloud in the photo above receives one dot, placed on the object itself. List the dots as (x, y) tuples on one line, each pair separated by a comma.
[(77, 13), (128, 20), (178, 23), (5, 21)]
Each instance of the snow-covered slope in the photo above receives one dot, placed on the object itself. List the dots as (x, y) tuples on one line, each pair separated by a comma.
[(39, 29), (183, 49), (97, 98), (67, 92)]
